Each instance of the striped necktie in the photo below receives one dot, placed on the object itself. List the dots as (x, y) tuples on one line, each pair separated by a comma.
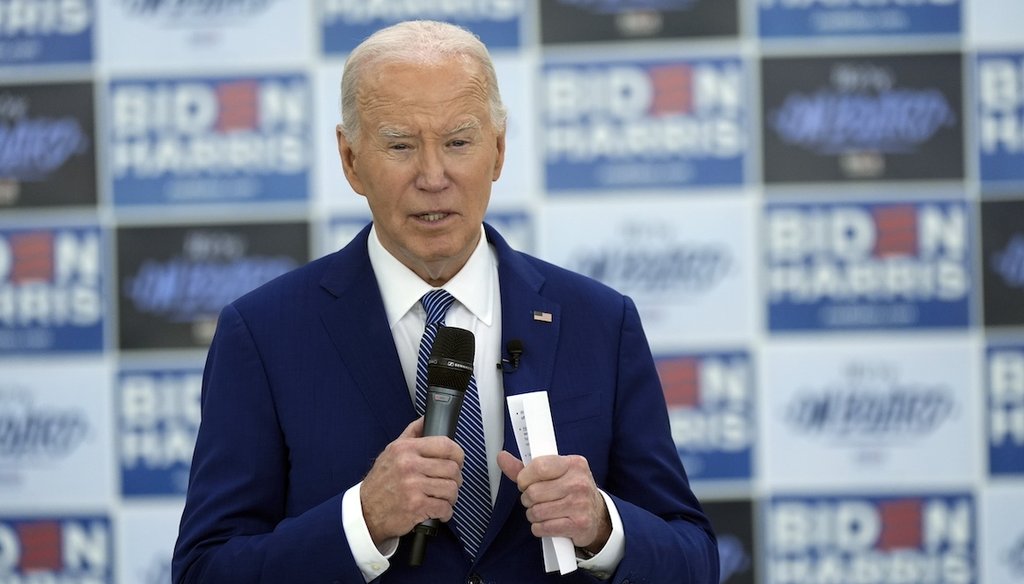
[(473, 507)]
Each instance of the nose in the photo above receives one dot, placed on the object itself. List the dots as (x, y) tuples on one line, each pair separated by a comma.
[(432, 174)]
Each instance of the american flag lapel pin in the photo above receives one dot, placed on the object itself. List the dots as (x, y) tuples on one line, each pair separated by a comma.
[(541, 316)]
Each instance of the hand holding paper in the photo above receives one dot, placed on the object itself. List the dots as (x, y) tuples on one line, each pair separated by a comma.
[(558, 491)]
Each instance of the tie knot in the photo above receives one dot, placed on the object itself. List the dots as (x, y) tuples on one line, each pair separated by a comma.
[(436, 303)]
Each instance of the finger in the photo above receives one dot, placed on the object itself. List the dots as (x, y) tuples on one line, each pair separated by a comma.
[(543, 468), (441, 447), (441, 469), (510, 465)]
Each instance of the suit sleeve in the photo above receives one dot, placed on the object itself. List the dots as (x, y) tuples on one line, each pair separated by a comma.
[(668, 537), (235, 527)]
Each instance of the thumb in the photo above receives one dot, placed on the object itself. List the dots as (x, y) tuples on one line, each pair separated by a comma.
[(510, 465), (414, 429)]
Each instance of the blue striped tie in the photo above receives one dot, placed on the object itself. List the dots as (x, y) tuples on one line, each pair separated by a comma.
[(473, 507)]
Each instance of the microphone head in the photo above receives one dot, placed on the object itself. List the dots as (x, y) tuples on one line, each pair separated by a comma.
[(451, 358)]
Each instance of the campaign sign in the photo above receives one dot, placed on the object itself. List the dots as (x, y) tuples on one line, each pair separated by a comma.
[(825, 18), (47, 145), (1000, 90), (1005, 378), (41, 32), (691, 279), (183, 34), (868, 265), (862, 118), (1002, 252), (65, 549), (733, 523), (174, 280), (55, 434), (850, 412), (643, 124), (710, 399), (1002, 530), (585, 21), (146, 537), (345, 23), (210, 140), (158, 420), (872, 539), (51, 289)]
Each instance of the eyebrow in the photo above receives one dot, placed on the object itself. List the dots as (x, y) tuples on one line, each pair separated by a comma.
[(400, 133), (471, 124)]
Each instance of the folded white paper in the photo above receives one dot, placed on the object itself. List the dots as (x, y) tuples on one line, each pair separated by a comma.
[(535, 436)]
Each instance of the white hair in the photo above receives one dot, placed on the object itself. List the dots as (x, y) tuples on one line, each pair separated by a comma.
[(416, 42)]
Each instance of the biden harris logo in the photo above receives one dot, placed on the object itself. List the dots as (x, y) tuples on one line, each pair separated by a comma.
[(812, 18), (158, 420), (46, 31), (1005, 376), (50, 290), (346, 22), (210, 140), (1000, 79), (650, 124), (710, 399), (867, 265), (920, 539), (64, 550)]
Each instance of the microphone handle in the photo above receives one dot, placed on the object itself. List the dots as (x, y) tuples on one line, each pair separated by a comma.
[(442, 415), (443, 407)]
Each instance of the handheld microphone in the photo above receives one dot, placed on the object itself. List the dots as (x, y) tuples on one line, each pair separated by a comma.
[(449, 370)]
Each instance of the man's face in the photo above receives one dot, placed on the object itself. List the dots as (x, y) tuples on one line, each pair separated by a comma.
[(425, 159)]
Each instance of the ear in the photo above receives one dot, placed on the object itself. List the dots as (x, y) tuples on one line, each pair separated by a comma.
[(499, 161), (348, 161)]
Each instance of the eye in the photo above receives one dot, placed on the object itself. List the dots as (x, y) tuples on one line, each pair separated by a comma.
[(458, 143), (398, 147)]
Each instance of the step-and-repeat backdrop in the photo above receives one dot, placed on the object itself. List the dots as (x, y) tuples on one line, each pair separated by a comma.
[(818, 206)]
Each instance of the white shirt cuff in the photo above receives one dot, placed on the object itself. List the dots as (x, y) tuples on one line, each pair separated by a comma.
[(604, 563), (372, 561)]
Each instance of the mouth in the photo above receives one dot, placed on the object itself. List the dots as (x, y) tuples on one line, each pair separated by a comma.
[(432, 217)]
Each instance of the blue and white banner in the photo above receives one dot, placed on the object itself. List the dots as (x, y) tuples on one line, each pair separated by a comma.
[(158, 420), (849, 414), (1000, 107), (210, 140), (63, 549), (1005, 380), (643, 124), (690, 277), (56, 448), (922, 538), (824, 18), (868, 265), (711, 410), (345, 23), (51, 289), (44, 32), (148, 35)]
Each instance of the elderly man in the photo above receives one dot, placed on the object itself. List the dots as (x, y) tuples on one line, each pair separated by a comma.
[(311, 463)]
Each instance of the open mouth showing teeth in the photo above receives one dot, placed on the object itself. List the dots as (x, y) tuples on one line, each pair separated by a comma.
[(433, 216)]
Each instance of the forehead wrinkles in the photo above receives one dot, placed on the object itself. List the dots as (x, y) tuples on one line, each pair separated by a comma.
[(389, 101)]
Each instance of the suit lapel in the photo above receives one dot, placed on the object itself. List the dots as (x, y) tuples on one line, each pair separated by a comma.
[(520, 286), (358, 326)]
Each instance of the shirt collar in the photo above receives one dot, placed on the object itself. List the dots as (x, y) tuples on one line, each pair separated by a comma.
[(401, 288)]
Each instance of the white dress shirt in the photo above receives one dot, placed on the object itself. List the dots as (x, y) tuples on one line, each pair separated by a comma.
[(477, 308)]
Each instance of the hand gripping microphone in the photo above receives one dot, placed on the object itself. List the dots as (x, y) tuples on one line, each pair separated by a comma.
[(448, 372)]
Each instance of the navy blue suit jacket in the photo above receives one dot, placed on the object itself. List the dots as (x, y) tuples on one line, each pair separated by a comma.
[(303, 389)]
